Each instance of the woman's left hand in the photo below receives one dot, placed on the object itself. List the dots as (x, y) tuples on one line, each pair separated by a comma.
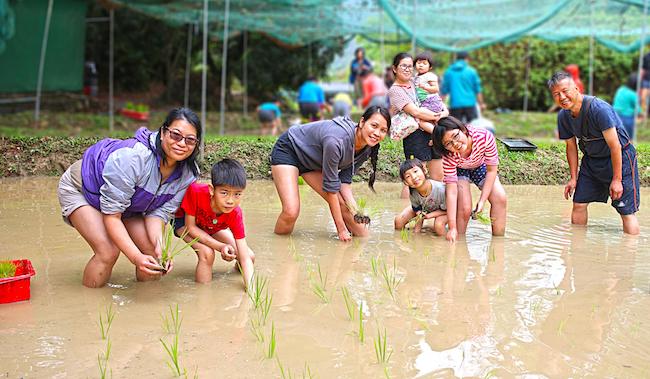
[(345, 235), (479, 207)]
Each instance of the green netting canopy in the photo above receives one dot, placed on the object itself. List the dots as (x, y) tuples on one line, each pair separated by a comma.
[(439, 24)]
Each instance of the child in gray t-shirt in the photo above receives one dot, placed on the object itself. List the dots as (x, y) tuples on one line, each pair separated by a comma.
[(427, 198)]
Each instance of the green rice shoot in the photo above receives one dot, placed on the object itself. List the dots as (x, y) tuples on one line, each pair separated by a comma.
[(106, 321), (483, 217), (7, 269), (390, 278), (382, 353), (172, 324), (349, 303), (362, 336), (319, 284), (169, 250), (270, 350), (102, 361)]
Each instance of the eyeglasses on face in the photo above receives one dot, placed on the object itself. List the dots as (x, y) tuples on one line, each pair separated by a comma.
[(406, 67), (454, 139), (178, 137)]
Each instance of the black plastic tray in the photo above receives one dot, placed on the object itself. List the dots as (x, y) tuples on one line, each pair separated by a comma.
[(518, 144)]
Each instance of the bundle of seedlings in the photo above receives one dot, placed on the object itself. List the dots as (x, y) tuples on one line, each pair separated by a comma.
[(169, 250), (483, 217), (7, 269), (361, 214)]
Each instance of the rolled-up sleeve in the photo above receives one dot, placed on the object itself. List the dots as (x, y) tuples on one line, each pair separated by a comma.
[(166, 211)]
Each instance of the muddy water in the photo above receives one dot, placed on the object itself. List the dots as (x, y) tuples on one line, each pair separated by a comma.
[(548, 300)]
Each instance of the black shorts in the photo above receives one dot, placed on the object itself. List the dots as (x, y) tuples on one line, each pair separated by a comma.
[(464, 114), (310, 111), (284, 154), (266, 115), (595, 176), (417, 145)]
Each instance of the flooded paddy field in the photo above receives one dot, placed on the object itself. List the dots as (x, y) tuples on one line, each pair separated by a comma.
[(548, 300)]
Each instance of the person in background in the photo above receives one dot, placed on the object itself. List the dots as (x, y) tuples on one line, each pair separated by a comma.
[(626, 104), (645, 85), (270, 117), (311, 99), (341, 105), (357, 66), (463, 85), (609, 163), (389, 76), (374, 90)]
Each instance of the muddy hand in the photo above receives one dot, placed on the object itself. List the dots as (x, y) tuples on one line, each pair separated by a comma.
[(228, 253), (147, 264)]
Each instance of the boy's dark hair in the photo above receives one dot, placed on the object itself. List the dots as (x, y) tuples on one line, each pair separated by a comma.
[(374, 152), (557, 77), (425, 56), (445, 125), (409, 164), (228, 172), (191, 117)]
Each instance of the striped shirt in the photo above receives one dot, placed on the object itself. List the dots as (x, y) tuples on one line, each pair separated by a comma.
[(484, 150)]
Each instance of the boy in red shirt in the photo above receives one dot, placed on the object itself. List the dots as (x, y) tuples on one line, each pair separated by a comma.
[(211, 212)]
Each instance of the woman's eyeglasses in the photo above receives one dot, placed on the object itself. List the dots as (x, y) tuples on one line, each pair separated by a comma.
[(454, 139), (178, 137), (405, 67)]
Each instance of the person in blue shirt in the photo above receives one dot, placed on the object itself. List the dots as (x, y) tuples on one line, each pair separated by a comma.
[(609, 163), (463, 85), (626, 103), (311, 99), (270, 117), (358, 65)]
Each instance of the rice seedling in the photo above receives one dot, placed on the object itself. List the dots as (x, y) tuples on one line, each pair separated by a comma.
[(319, 285), (258, 290), (404, 235), (360, 211), (257, 329), (7, 269), (173, 354), (382, 353), (390, 278), (483, 217), (106, 321), (172, 324), (169, 250), (560, 327), (349, 303), (293, 250), (374, 265), (362, 336), (286, 374), (102, 361), (270, 349), (499, 291)]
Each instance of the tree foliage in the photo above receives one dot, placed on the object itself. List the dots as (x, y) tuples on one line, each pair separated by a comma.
[(150, 52)]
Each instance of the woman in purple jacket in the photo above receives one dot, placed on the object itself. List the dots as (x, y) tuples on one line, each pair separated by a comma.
[(122, 192), (327, 153)]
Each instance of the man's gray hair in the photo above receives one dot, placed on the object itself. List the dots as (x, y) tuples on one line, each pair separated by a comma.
[(557, 78)]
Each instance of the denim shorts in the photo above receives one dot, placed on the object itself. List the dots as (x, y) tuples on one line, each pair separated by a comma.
[(595, 176), (473, 175), (283, 153)]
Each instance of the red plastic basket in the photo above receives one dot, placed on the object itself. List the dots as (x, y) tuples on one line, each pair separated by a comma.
[(135, 115), (16, 288)]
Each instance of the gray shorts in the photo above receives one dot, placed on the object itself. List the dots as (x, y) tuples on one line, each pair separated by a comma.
[(69, 192)]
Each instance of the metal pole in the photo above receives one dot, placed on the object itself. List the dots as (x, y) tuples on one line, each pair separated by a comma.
[(224, 68), (204, 72), (591, 47), (41, 63), (111, 63), (245, 75), (527, 76), (381, 34), (188, 61), (415, 12), (639, 79)]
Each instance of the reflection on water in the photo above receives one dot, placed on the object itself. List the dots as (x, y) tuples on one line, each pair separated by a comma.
[(547, 300)]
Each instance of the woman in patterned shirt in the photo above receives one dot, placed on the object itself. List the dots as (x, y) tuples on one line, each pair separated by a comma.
[(469, 154)]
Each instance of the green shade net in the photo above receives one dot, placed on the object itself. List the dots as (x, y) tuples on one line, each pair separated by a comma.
[(7, 24), (439, 24)]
